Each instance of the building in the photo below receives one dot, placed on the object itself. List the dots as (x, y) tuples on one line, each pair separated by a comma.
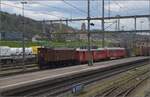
[(35, 38), (83, 29), (10, 35)]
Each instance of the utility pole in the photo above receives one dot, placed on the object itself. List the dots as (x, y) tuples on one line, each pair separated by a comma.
[(141, 24), (134, 36), (135, 23), (0, 14), (23, 36), (109, 8), (61, 30), (135, 26), (43, 28), (122, 28), (67, 23), (90, 63), (60, 26), (0, 17), (51, 30), (66, 30), (118, 22), (44, 31), (0, 28), (149, 32), (116, 26), (103, 38)]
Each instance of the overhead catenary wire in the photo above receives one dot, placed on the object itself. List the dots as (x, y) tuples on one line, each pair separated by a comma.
[(110, 25), (69, 3), (27, 9), (126, 26), (125, 7), (95, 8), (57, 8), (73, 6), (120, 6)]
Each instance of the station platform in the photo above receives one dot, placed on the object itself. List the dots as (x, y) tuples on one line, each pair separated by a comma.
[(22, 80)]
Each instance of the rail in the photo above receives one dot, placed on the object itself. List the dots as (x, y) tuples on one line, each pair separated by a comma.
[(65, 84)]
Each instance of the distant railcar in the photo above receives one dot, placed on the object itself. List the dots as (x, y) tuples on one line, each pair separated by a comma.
[(141, 51), (14, 51), (145, 51), (4, 51)]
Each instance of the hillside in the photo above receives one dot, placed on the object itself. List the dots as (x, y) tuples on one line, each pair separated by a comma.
[(14, 23)]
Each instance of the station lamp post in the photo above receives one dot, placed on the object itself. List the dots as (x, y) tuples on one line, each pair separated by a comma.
[(23, 37)]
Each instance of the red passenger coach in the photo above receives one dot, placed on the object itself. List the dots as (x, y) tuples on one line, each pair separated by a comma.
[(99, 54), (114, 53)]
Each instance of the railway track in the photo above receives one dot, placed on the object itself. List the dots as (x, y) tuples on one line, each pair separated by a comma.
[(125, 88), (65, 86), (16, 60), (18, 66), (14, 69), (15, 63)]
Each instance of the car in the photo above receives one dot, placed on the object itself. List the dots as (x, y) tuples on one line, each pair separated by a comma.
[(57, 57), (114, 53), (100, 54)]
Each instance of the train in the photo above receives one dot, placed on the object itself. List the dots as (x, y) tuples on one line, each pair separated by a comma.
[(142, 51), (11, 51), (13, 54), (61, 57)]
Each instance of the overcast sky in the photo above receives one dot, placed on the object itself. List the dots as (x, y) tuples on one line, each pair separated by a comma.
[(56, 9)]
